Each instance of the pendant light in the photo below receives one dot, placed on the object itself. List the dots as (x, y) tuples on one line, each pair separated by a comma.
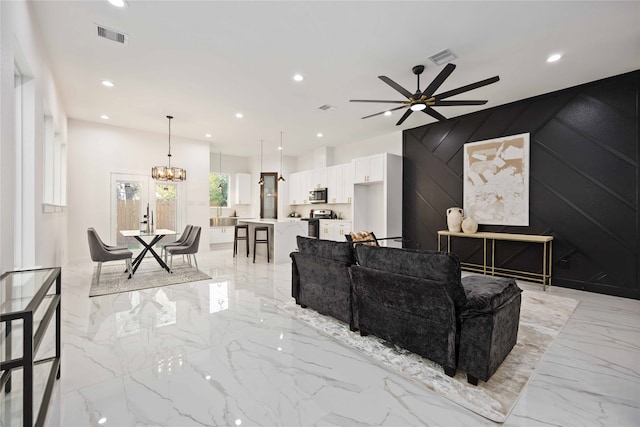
[(220, 170), (167, 173), (261, 182), (281, 178)]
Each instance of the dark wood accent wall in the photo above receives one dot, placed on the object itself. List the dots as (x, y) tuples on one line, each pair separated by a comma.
[(584, 182)]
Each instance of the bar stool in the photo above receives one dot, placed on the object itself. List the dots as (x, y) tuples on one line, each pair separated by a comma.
[(237, 236), (264, 240)]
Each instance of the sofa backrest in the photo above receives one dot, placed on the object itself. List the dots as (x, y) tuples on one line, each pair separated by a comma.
[(439, 266), (338, 251)]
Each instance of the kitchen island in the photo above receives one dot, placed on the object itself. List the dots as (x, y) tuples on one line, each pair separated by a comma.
[(282, 236)]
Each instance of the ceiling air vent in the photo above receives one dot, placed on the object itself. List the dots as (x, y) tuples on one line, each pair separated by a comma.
[(112, 35), (326, 107), (442, 57)]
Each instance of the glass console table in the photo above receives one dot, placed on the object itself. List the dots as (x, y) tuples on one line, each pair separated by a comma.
[(29, 296)]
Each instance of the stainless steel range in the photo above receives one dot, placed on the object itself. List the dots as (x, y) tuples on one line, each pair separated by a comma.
[(314, 221)]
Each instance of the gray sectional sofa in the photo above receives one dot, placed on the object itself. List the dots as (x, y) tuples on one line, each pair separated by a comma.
[(414, 299)]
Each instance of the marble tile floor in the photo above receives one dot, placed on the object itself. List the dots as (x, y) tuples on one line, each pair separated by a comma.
[(218, 353)]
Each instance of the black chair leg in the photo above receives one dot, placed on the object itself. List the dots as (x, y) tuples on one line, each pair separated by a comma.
[(450, 372), (472, 379)]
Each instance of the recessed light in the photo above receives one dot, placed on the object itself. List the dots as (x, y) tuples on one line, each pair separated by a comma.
[(387, 113), (298, 77), (118, 3), (104, 117), (553, 58), (239, 115), (108, 83), (280, 148), (319, 134), (207, 135), (102, 420)]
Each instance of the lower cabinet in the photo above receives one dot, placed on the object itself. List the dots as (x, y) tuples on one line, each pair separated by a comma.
[(334, 229), (221, 235)]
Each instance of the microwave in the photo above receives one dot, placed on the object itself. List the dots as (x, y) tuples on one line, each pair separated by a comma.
[(318, 195)]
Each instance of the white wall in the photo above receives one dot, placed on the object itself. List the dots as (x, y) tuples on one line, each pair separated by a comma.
[(20, 42), (96, 150), (388, 143)]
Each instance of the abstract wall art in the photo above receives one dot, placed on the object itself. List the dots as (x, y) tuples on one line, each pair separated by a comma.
[(496, 180)]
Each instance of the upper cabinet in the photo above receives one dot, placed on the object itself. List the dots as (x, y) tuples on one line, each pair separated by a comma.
[(319, 178), (243, 189), (299, 185), (368, 169), (340, 183)]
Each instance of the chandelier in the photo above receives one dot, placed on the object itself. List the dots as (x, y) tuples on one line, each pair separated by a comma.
[(168, 173)]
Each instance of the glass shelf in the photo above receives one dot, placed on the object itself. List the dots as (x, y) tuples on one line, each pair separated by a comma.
[(28, 302)]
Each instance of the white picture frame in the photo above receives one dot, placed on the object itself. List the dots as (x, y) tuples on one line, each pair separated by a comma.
[(496, 180)]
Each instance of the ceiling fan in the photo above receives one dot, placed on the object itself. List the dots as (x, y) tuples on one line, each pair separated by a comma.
[(425, 100)]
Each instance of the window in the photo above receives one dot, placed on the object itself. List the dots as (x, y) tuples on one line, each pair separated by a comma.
[(219, 189)]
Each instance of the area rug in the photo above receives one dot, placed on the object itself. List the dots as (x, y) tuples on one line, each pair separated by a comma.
[(113, 280), (542, 317)]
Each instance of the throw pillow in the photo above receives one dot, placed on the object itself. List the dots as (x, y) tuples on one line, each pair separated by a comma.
[(366, 237)]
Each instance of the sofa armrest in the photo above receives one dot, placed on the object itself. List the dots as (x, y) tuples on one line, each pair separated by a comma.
[(486, 294), (322, 284)]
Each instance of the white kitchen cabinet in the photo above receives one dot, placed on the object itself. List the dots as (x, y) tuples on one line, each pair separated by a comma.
[(306, 180), (335, 178), (294, 189), (340, 183), (331, 229), (319, 178), (347, 184), (377, 205), (369, 169), (243, 189), (221, 235)]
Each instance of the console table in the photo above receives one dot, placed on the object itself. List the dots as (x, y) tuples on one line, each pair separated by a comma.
[(546, 241), (29, 296)]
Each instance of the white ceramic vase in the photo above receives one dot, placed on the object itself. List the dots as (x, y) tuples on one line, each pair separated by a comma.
[(454, 219), (469, 225)]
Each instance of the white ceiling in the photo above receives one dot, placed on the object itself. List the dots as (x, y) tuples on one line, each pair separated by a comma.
[(203, 61)]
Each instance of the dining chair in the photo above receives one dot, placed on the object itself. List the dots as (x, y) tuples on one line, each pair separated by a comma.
[(104, 245), (100, 254), (178, 242), (190, 248)]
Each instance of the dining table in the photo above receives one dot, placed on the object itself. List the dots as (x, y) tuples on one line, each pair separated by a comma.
[(140, 235)]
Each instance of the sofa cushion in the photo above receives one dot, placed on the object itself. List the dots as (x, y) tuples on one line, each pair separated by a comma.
[(439, 266), (337, 251), (486, 294)]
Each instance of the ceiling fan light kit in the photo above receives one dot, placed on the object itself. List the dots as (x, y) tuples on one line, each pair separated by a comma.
[(426, 99)]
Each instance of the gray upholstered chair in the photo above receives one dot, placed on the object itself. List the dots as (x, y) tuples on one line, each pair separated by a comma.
[(100, 253), (179, 242), (189, 248), (104, 245)]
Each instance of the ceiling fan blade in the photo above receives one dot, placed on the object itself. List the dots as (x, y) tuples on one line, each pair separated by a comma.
[(373, 100), (454, 103), (382, 112), (433, 113), (440, 78), (404, 117), (396, 86), (467, 88)]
